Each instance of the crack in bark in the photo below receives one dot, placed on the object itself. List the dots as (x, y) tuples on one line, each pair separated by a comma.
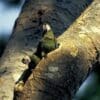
[(96, 62)]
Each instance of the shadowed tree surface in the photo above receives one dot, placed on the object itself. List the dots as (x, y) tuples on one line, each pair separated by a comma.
[(59, 75), (13, 1)]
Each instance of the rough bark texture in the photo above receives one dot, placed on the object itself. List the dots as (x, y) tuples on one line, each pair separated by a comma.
[(59, 75)]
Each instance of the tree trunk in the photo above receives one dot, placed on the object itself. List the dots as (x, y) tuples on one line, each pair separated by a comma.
[(59, 75)]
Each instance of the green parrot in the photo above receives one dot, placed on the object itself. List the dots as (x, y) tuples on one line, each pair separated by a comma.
[(48, 42), (34, 60)]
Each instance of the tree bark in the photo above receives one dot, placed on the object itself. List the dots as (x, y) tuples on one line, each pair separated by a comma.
[(60, 74)]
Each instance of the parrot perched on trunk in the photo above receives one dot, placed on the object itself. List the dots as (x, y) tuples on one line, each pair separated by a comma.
[(48, 42)]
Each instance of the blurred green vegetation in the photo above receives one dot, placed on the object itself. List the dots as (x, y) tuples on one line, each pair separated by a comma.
[(90, 89)]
